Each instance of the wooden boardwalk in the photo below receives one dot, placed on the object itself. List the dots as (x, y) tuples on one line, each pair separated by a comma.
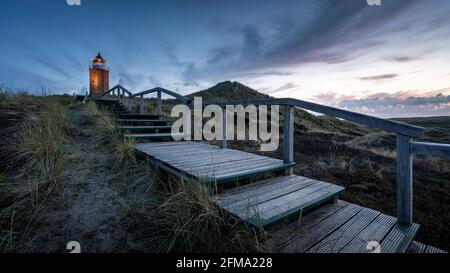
[(343, 227), (209, 163), (325, 224)]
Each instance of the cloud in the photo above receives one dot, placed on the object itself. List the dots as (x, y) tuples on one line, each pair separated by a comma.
[(284, 87), (332, 98), (379, 77), (329, 33), (397, 105), (403, 59)]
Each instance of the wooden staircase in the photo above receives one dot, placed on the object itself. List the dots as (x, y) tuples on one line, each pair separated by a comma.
[(239, 184), (137, 126)]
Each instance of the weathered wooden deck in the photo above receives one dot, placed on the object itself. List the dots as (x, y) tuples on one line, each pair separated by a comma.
[(338, 227), (347, 228), (209, 163), (266, 202)]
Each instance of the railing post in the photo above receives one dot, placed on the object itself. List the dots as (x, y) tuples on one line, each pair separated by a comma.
[(404, 180), (141, 104), (223, 142), (288, 138), (158, 103), (129, 102)]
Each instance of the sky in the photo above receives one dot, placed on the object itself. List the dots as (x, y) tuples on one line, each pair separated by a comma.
[(391, 60)]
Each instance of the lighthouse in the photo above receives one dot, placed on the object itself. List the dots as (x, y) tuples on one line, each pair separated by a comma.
[(98, 76)]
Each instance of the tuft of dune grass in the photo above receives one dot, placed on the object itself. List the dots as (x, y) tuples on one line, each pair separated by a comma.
[(181, 218), (107, 131), (40, 153), (36, 160)]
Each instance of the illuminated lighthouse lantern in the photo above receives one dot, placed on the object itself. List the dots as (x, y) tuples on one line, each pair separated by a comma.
[(98, 76)]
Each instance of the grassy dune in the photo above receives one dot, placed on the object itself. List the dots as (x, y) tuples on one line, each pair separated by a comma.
[(57, 157)]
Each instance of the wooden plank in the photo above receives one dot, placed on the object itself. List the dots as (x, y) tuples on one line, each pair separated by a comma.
[(224, 167), (375, 231), (179, 150), (206, 159), (321, 213), (142, 120), (144, 127), (279, 208), (417, 247), (217, 159), (257, 189), (279, 235), (153, 136), (399, 239), (209, 161), (288, 138), (171, 145), (272, 207), (430, 149), (434, 250), (231, 192), (255, 168), (404, 181), (310, 201), (230, 167), (165, 153), (344, 234), (275, 191), (134, 115), (172, 148), (233, 167), (237, 164), (315, 233), (247, 174), (174, 159)]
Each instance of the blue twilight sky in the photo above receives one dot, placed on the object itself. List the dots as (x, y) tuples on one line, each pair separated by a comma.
[(388, 60)]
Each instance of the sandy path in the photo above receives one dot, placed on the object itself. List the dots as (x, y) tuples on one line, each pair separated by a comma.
[(87, 211)]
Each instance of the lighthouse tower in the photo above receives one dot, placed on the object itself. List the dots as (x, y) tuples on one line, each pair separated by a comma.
[(98, 76)]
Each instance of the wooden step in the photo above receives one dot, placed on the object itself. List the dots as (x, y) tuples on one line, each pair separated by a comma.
[(209, 163), (106, 101), (142, 128), (269, 201), (113, 107), (348, 228), (140, 116), (143, 121), (153, 136)]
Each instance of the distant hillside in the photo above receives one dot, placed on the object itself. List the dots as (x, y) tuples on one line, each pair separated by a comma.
[(233, 91), (228, 91), (437, 129)]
